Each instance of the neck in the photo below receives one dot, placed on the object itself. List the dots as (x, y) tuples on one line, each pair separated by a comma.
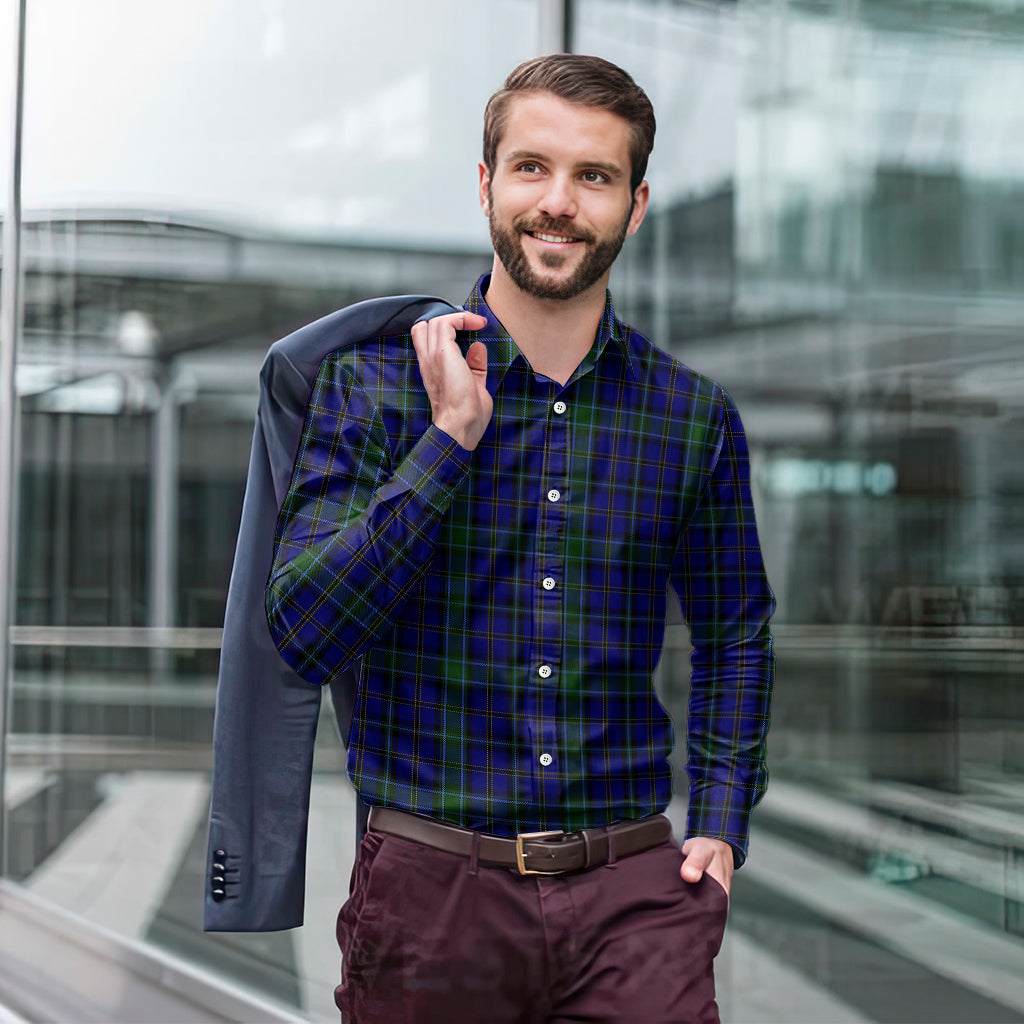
[(553, 334)]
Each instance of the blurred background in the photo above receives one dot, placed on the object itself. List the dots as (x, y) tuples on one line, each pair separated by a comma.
[(836, 235)]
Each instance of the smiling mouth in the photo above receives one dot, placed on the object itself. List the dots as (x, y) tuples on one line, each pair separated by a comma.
[(546, 237)]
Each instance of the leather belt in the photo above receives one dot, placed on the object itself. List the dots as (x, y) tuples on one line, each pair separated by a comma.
[(530, 853)]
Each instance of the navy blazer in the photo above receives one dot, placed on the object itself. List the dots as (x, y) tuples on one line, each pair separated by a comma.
[(266, 715)]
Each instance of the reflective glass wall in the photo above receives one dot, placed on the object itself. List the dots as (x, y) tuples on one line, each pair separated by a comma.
[(199, 180), (835, 235)]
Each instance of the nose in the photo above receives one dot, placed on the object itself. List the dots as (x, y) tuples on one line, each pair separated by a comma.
[(559, 199)]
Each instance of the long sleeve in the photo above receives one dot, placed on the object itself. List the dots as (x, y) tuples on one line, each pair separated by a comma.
[(354, 533), (726, 600)]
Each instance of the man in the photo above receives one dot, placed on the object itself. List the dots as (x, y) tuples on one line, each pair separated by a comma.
[(487, 513)]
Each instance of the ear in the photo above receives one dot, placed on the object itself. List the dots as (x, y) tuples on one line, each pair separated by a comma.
[(485, 181), (640, 199)]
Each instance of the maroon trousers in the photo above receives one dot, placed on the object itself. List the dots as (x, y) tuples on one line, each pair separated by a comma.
[(433, 938)]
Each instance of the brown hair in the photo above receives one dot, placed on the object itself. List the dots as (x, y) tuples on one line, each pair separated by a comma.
[(591, 81)]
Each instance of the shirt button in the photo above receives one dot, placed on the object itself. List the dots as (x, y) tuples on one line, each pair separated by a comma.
[(545, 759), (549, 583), (544, 671), (553, 495), (559, 407)]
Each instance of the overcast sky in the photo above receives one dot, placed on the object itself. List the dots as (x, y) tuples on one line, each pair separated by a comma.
[(325, 116), (363, 119)]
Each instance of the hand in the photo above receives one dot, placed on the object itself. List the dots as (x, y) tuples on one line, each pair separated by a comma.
[(456, 386), (711, 855)]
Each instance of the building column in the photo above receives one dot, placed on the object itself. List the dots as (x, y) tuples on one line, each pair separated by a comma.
[(163, 543)]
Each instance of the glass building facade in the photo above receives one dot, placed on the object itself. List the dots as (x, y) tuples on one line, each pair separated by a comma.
[(836, 234)]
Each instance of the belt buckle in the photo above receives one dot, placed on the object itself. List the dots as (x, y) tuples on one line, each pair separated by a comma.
[(520, 855)]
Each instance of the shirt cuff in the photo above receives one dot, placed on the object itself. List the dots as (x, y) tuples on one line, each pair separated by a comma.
[(720, 812), (434, 467)]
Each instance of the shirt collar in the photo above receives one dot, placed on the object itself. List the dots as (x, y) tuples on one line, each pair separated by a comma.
[(502, 351)]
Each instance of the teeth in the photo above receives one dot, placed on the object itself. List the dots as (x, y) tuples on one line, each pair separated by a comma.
[(551, 238)]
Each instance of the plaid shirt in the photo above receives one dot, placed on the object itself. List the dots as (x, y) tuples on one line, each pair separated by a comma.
[(509, 603)]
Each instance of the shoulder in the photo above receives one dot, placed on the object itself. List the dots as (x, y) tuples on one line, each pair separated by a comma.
[(685, 390), (383, 361), (304, 350)]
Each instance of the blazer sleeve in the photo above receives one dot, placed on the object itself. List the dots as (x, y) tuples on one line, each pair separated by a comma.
[(263, 734)]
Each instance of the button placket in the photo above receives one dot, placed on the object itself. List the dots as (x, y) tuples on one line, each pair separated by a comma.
[(549, 596)]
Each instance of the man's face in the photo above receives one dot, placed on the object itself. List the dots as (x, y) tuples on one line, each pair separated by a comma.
[(559, 203)]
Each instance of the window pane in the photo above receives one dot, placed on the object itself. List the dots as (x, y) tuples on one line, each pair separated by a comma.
[(201, 177), (836, 236)]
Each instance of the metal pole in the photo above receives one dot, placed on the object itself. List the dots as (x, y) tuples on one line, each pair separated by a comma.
[(553, 23), (163, 547), (10, 318)]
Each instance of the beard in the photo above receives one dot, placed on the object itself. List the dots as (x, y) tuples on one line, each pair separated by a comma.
[(598, 257)]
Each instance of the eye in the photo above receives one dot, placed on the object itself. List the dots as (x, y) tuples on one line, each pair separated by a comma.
[(528, 167), (594, 177)]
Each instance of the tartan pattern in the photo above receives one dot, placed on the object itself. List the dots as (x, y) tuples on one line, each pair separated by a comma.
[(397, 546)]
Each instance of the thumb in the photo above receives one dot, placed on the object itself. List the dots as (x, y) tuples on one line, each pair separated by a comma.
[(695, 862), (477, 357)]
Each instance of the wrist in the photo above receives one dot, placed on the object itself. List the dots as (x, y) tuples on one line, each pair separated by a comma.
[(457, 434)]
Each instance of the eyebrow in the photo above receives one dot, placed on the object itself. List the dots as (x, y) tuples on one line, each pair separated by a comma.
[(611, 170)]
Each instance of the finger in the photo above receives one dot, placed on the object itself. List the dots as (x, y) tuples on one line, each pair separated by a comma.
[(477, 357), (418, 332), (420, 342), (441, 330), (472, 321), (461, 321)]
